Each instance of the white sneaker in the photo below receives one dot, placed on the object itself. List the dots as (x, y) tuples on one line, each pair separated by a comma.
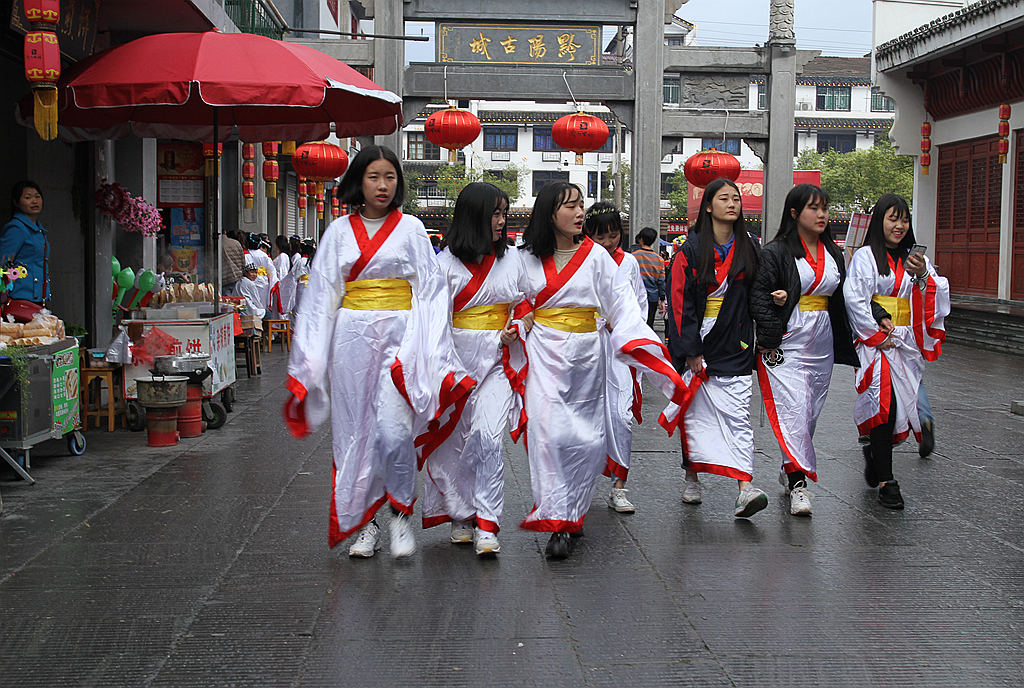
[(749, 502), (367, 542), (800, 500), (691, 492), (617, 500), (485, 542), (402, 542), (462, 532)]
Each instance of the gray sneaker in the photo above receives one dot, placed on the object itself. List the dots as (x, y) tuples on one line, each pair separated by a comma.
[(691, 492), (749, 502), (617, 501), (800, 500), (462, 532), (367, 542)]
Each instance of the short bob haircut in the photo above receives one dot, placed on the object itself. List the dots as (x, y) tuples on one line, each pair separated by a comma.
[(647, 236), (602, 217), (875, 238), (539, 237), (469, 235), (18, 189), (798, 198), (744, 249), (351, 189)]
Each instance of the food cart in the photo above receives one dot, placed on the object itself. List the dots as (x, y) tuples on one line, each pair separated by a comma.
[(209, 336), (39, 400)]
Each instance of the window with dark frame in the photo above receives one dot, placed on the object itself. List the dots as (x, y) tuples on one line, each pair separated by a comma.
[(833, 98), (542, 140), (670, 89), (880, 103), (762, 95), (666, 184), (419, 148), (542, 177), (501, 138), (592, 184), (726, 146), (609, 144), (842, 143)]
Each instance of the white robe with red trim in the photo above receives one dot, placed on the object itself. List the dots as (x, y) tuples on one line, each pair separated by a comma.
[(381, 374), (266, 278), (464, 461), (566, 386), (280, 307), (622, 395), (300, 268), (898, 369), (794, 390)]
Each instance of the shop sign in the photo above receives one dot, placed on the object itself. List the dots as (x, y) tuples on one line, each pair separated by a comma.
[(751, 184), (573, 45), (180, 174), (65, 391)]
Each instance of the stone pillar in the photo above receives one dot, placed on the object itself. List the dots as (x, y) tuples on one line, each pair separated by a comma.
[(645, 161), (778, 172), (101, 319), (389, 57), (149, 193)]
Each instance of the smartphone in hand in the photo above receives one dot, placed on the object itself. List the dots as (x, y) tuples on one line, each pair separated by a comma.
[(918, 248)]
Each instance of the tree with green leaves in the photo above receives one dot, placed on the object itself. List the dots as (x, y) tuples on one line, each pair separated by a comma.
[(412, 193), (452, 179), (679, 195), (608, 193), (855, 180)]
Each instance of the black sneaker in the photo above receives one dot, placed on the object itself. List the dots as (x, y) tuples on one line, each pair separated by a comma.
[(869, 473), (558, 546), (927, 445), (889, 495)]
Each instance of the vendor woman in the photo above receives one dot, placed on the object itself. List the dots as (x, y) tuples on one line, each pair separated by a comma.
[(23, 240)]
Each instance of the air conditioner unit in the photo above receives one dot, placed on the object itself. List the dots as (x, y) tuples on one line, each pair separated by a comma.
[(805, 106)]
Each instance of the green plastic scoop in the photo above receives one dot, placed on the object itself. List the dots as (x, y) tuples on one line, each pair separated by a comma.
[(147, 280), (125, 280), (116, 266)]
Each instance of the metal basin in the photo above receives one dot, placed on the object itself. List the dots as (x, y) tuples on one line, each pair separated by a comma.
[(162, 391)]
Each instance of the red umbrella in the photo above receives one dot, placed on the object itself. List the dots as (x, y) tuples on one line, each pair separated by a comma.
[(181, 85)]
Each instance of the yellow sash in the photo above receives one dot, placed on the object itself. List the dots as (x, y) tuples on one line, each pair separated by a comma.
[(813, 303), (899, 309), (713, 306), (577, 319), (304, 279), (492, 317), (378, 295)]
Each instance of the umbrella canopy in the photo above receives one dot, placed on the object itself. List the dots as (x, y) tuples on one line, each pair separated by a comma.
[(169, 86)]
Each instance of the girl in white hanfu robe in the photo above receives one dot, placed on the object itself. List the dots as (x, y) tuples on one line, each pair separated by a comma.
[(568, 284), (464, 461), (300, 271), (802, 331), (279, 306), (372, 345), (266, 278), (889, 272), (622, 393)]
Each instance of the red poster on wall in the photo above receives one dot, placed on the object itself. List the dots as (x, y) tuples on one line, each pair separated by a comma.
[(179, 174), (751, 183)]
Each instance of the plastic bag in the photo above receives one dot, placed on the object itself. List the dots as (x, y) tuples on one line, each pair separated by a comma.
[(155, 343), (120, 348)]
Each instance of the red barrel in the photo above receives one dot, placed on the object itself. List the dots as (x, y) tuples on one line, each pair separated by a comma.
[(190, 416), (162, 427)]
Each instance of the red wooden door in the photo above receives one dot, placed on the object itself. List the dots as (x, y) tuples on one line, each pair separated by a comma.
[(1017, 269), (967, 215)]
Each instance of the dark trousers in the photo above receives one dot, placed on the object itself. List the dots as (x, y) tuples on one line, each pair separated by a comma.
[(881, 444), (652, 310)]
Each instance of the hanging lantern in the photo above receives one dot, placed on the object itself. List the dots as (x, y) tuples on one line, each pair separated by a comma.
[(579, 132), (320, 161), (320, 200), (335, 204), (705, 167), (452, 129), (926, 146), (1004, 131), (209, 155), (300, 194), (42, 63), (46, 11), (287, 148), (271, 168), (248, 173)]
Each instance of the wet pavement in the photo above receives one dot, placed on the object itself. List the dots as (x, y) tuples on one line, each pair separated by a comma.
[(206, 564)]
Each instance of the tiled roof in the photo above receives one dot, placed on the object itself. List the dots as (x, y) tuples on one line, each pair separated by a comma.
[(948, 21), (843, 68), (843, 123), (525, 118)]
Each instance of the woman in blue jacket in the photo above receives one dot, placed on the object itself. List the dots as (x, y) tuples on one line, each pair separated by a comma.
[(23, 240)]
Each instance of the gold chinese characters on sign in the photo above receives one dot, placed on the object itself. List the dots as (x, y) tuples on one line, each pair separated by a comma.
[(544, 44)]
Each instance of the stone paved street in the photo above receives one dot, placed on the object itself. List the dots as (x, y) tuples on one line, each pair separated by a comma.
[(207, 565)]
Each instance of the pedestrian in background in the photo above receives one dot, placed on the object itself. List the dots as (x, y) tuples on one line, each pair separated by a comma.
[(711, 337), (372, 348), (23, 241), (232, 262), (652, 270), (622, 391), (802, 331), (893, 272)]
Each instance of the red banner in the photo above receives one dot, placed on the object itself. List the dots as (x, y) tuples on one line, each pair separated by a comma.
[(751, 183)]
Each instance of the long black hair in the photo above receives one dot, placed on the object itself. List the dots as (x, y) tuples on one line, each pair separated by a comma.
[(469, 235), (798, 198), (351, 187), (253, 241), (602, 217), (17, 190), (539, 237), (876, 230), (744, 252), (282, 243), (294, 245)]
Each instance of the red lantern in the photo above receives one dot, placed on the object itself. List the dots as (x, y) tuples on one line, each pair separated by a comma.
[(209, 154), (248, 173), (1004, 128), (42, 69), (300, 194), (1004, 111), (1004, 131), (926, 160), (580, 132), (320, 200), (926, 146), (926, 129), (452, 128), (320, 161), (1004, 149), (335, 204), (46, 11), (705, 167), (271, 168)]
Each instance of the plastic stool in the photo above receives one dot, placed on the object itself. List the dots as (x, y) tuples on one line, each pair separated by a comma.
[(100, 376), (281, 327)]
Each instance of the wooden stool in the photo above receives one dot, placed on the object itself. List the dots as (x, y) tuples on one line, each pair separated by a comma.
[(281, 327), (249, 345), (99, 376), (257, 344)]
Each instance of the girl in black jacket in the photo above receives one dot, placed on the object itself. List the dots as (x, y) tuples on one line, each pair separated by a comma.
[(802, 331), (711, 335)]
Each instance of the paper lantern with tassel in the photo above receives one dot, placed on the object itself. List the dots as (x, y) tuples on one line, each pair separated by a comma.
[(271, 168), (452, 128), (579, 132), (42, 63), (320, 200), (1004, 131), (320, 161), (248, 173), (926, 146), (705, 167), (335, 204), (300, 194), (209, 154)]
